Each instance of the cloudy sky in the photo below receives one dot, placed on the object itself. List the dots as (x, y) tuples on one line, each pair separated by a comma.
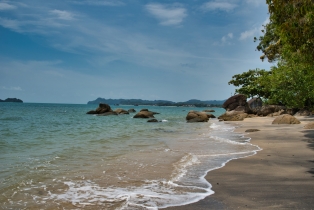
[(73, 51)]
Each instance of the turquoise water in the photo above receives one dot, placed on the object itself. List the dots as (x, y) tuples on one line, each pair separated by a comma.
[(54, 156)]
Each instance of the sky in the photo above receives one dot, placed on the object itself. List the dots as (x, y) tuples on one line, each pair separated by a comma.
[(74, 51)]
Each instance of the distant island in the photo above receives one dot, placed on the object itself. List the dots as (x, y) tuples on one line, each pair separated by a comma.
[(135, 102), (12, 100)]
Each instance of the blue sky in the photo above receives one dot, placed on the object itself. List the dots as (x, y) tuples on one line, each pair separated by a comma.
[(73, 51)]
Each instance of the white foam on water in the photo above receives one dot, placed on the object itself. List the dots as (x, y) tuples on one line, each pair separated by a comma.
[(152, 195)]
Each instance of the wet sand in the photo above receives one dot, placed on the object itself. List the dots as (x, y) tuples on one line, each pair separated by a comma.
[(281, 176)]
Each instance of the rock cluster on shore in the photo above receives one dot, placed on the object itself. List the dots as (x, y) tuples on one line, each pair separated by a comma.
[(237, 109)]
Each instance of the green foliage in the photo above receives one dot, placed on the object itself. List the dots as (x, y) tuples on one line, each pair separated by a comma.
[(252, 83), (289, 40)]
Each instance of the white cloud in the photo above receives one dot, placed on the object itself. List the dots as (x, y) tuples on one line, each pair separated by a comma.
[(99, 2), (254, 31), (12, 88), (255, 2), (63, 15), (218, 5), (248, 34), (11, 24), (170, 15), (6, 6)]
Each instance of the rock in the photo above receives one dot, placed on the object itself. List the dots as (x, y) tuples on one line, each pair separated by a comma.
[(102, 108), (209, 110), (91, 112), (107, 114), (145, 113), (286, 119), (276, 114), (211, 116), (131, 110), (121, 111), (292, 111), (309, 125), (303, 112), (233, 116), (255, 102), (234, 101), (269, 109), (152, 120), (252, 130), (195, 116)]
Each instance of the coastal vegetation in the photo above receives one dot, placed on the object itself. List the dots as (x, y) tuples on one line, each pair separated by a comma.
[(288, 42), (12, 100)]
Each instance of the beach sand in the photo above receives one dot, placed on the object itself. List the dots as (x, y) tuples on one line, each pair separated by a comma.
[(281, 176)]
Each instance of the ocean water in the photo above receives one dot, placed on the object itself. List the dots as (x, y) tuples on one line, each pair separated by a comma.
[(54, 156)]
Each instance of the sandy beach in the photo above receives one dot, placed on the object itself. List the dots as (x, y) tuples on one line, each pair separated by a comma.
[(280, 176)]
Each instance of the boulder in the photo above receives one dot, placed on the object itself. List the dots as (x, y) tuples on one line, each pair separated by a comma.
[(233, 116), (292, 111), (107, 114), (255, 103), (276, 114), (309, 125), (234, 101), (269, 109), (152, 120), (195, 116), (209, 110), (121, 111), (211, 116), (286, 119), (102, 108), (131, 110), (303, 112), (145, 113)]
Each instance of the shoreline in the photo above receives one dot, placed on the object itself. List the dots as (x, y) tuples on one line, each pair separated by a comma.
[(281, 175)]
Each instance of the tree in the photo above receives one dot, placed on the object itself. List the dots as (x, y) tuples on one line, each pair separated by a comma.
[(252, 83), (288, 39)]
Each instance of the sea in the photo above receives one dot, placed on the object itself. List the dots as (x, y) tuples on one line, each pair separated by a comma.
[(55, 156)]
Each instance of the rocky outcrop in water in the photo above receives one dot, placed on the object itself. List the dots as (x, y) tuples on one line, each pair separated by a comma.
[(102, 110), (195, 116), (121, 111), (145, 113)]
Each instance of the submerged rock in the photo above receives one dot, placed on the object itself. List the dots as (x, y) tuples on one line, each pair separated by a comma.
[(131, 110), (152, 120), (252, 130)]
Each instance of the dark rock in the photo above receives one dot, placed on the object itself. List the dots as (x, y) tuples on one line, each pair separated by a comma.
[(292, 111), (131, 110), (252, 130), (303, 112), (209, 110), (121, 111), (211, 116), (286, 119), (102, 108), (144, 113), (233, 116), (107, 114), (234, 101), (195, 116), (152, 120), (255, 102), (91, 112), (269, 109)]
